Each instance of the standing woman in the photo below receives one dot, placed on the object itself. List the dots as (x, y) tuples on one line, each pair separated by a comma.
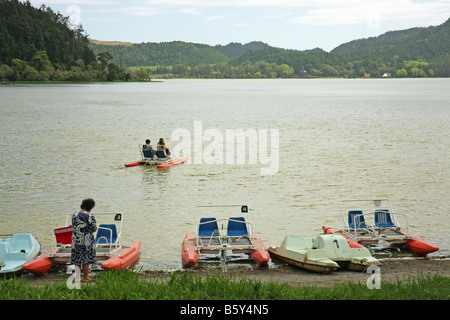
[(83, 244)]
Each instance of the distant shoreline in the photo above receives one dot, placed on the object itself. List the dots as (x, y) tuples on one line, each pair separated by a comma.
[(78, 82), (156, 80)]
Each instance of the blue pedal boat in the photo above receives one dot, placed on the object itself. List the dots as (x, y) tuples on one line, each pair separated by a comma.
[(16, 250)]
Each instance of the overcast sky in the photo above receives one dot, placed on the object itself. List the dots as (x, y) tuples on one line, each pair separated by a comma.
[(289, 24)]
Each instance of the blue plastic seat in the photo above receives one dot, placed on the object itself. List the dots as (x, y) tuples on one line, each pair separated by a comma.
[(383, 219), (357, 222), (21, 243), (107, 233), (161, 154), (147, 152), (237, 227), (207, 227)]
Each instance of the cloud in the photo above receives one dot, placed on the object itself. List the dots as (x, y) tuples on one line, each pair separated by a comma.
[(218, 17), (101, 20), (230, 3), (142, 11), (307, 12), (190, 11), (49, 3), (213, 18), (374, 12), (243, 25), (323, 12)]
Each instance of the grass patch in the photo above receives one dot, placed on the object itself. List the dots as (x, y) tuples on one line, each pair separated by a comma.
[(128, 285)]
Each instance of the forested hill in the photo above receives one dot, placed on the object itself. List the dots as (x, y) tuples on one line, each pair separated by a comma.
[(427, 42), (416, 52), (182, 53), (165, 53), (25, 30), (413, 52), (235, 50), (40, 44)]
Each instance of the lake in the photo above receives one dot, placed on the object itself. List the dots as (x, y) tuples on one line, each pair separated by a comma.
[(337, 139)]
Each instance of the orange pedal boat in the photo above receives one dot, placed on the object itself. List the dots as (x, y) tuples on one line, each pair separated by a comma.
[(384, 235), (109, 252), (210, 243), (160, 159)]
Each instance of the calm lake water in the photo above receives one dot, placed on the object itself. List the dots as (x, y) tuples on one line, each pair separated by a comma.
[(338, 139)]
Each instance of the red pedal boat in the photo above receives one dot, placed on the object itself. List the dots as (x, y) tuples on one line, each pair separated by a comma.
[(384, 236), (209, 242), (109, 252), (160, 159), (159, 163)]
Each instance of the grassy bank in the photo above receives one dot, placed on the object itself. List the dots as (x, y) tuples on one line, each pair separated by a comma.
[(127, 285)]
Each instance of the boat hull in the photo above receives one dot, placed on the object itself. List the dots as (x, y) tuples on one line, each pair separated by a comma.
[(40, 265), (260, 255), (189, 252), (304, 265), (325, 253), (351, 243), (134, 164), (173, 163), (124, 257), (420, 247), (159, 163), (17, 250), (413, 244)]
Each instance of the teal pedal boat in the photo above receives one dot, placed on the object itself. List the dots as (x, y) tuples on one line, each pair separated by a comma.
[(323, 254), (15, 251)]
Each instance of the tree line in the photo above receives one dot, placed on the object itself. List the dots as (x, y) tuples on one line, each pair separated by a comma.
[(417, 52), (38, 44), (303, 69)]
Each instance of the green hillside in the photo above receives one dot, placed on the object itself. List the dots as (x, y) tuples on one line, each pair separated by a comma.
[(165, 53), (416, 52), (427, 42), (38, 44), (389, 40), (25, 30), (235, 50)]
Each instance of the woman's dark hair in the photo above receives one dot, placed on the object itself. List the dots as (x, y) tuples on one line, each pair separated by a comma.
[(87, 204)]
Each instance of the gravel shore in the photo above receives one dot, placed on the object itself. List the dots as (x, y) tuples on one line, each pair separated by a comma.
[(390, 270)]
